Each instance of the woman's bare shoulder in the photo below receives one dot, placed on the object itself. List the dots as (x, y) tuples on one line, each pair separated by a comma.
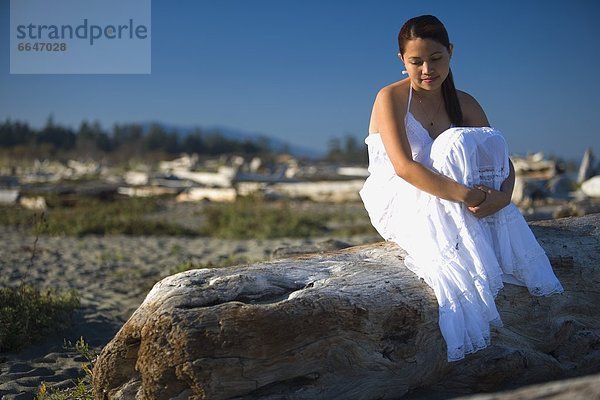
[(473, 114), (397, 92), (391, 97)]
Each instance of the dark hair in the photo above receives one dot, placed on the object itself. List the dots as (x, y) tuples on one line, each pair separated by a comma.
[(429, 27)]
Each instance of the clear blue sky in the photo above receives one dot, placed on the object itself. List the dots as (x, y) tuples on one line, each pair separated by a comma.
[(305, 71)]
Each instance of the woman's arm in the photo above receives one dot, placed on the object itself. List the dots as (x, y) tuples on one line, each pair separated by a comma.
[(509, 183), (390, 119)]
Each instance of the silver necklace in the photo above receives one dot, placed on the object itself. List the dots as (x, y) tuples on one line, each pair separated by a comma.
[(425, 111)]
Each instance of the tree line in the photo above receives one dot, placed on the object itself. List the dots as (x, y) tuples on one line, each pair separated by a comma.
[(126, 140), (347, 150), (135, 141)]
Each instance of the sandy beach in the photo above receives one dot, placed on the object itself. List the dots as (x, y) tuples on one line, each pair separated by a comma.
[(112, 275)]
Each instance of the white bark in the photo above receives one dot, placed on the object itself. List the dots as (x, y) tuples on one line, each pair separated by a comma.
[(348, 324)]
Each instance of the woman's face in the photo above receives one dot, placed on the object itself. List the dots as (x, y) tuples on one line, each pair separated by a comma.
[(427, 63)]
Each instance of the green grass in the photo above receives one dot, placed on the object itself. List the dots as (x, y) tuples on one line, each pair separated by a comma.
[(87, 215), (28, 314), (250, 217), (82, 389), (255, 218), (348, 221)]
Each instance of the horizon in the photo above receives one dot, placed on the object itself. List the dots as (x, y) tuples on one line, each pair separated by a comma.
[(303, 151), (306, 72)]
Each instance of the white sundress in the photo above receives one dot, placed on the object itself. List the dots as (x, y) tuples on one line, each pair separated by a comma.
[(464, 259)]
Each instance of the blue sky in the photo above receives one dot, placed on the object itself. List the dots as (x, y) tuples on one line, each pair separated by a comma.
[(305, 71)]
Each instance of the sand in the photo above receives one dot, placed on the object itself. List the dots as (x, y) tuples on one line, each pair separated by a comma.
[(112, 275)]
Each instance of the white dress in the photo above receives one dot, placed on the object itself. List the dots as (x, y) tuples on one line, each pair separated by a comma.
[(464, 259)]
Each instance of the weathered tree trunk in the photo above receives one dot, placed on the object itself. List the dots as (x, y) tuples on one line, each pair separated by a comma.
[(349, 324), (582, 388)]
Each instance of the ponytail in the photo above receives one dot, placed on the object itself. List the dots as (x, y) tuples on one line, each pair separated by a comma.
[(451, 101)]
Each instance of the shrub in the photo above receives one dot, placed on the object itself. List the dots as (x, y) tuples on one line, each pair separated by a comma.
[(28, 314)]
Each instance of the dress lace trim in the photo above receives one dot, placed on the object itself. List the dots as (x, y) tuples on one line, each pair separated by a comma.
[(464, 259)]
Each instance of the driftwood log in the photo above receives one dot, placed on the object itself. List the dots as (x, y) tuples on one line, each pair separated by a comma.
[(349, 324), (581, 388)]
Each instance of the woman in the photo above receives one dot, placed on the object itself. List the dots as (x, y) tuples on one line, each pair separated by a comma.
[(440, 186)]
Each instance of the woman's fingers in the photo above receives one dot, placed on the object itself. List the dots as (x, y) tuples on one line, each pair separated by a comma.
[(486, 189), (478, 212), (494, 202)]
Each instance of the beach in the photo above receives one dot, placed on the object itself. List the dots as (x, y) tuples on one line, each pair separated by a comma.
[(112, 274)]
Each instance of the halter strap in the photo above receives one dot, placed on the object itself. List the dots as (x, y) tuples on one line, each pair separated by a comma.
[(409, 99)]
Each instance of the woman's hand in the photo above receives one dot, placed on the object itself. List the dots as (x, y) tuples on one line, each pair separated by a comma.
[(493, 202)]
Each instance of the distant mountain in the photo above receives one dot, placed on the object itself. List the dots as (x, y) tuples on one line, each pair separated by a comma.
[(276, 144)]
